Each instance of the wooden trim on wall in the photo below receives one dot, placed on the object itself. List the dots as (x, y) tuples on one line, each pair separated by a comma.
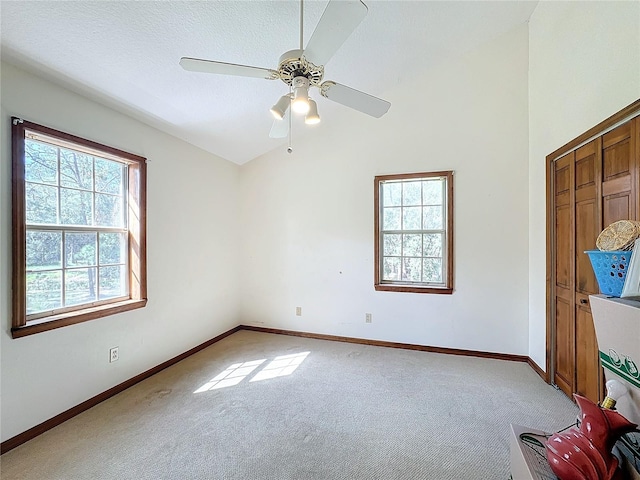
[(544, 375), (550, 275), (18, 244), (381, 343), (78, 316), (626, 112), (92, 402)]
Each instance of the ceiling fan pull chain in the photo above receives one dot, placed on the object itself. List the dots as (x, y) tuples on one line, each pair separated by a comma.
[(290, 148)]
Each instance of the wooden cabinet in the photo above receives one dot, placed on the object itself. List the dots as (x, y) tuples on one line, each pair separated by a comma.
[(592, 182)]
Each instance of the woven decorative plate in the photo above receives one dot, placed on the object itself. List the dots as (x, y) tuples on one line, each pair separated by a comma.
[(619, 235)]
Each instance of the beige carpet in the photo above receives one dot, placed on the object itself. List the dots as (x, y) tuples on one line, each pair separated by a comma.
[(264, 408)]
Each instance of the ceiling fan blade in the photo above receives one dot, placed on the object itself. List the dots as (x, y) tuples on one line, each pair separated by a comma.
[(221, 68), (280, 128), (339, 20), (363, 102)]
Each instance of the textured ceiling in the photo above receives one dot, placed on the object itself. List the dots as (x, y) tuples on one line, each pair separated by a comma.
[(125, 54)]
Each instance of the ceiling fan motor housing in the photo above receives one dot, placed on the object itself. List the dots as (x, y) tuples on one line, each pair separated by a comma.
[(293, 64)]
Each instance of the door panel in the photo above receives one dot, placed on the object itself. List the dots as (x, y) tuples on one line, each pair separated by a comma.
[(587, 215), (616, 160), (563, 247), (587, 363), (617, 135), (564, 361), (617, 207), (587, 230), (585, 166), (618, 168), (563, 180)]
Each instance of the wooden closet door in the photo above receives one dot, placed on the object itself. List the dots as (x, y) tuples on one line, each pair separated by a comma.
[(588, 225), (578, 223), (564, 360), (589, 188)]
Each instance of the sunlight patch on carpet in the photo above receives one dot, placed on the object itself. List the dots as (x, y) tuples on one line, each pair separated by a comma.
[(233, 375), (281, 366)]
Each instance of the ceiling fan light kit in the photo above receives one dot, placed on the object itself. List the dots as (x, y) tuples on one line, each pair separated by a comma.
[(302, 69), (280, 108), (300, 102), (312, 118)]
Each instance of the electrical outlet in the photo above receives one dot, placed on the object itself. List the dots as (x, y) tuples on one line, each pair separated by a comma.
[(299, 311), (367, 318), (113, 355)]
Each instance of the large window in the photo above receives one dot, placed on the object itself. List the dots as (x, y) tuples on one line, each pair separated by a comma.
[(414, 232), (78, 229)]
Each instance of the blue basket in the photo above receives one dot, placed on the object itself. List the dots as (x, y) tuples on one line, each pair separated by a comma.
[(610, 269)]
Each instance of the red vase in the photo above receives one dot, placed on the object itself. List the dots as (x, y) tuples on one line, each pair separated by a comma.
[(585, 453)]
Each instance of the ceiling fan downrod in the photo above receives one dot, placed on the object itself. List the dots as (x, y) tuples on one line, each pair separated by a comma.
[(301, 24)]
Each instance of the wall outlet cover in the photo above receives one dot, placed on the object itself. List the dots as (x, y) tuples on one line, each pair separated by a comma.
[(114, 355)]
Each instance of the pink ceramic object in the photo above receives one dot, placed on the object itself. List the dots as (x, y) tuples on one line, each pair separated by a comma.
[(585, 454)]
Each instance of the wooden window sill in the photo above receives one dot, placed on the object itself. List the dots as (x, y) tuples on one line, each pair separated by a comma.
[(78, 316), (386, 287)]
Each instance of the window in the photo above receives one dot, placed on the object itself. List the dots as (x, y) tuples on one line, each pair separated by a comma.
[(79, 227), (414, 232)]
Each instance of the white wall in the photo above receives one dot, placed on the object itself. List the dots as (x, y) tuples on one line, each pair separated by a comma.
[(308, 216), (584, 66), (192, 255)]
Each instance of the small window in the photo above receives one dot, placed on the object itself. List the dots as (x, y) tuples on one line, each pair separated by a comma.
[(414, 232), (78, 229)]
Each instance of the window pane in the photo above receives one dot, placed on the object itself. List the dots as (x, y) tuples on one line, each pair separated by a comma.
[(432, 218), (411, 269), (412, 245), (392, 246), (432, 270), (391, 268), (44, 291), (432, 192), (411, 193), (80, 249), (80, 286), (76, 169), (432, 243), (411, 218), (109, 210), (75, 207), (112, 282), (44, 250), (109, 175), (112, 248), (391, 219), (391, 194), (40, 162), (41, 203)]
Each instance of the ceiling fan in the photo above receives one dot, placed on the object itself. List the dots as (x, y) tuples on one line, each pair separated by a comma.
[(303, 68)]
